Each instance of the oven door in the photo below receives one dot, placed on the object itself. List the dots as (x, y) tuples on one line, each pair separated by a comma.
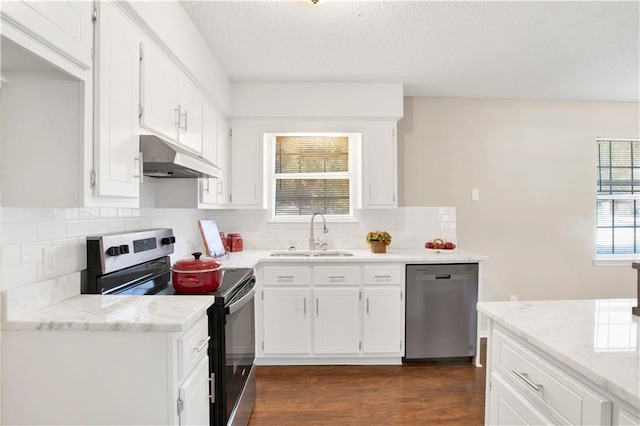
[(240, 351)]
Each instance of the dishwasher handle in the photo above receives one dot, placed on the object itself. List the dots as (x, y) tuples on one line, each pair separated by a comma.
[(441, 277)]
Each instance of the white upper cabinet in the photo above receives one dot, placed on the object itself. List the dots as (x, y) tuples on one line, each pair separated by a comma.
[(214, 192), (159, 94), (171, 104), (116, 77), (246, 167), (63, 27), (190, 102), (379, 186), (223, 162)]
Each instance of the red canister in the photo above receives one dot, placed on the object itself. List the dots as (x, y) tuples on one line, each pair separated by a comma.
[(234, 242)]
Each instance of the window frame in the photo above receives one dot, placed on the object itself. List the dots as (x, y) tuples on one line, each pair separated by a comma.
[(353, 175), (612, 259)]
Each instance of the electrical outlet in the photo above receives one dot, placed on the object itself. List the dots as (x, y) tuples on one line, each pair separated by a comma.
[(514, 298), (49, 262)]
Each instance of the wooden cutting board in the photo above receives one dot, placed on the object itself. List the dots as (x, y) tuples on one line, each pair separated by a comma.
[(211, 236)]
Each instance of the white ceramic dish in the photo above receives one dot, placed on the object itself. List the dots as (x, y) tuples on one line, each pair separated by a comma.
[(443, 251)]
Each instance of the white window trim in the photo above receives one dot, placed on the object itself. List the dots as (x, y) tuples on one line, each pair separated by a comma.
[(353, 175), (616, 259)]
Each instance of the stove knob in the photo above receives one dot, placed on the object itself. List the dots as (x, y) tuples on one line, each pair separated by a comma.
[(168, 240), (124, 249), (113, 251)]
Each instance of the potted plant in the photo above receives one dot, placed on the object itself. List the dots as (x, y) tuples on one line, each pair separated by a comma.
[(379, 240)]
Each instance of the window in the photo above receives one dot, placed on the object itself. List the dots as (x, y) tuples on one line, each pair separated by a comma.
[(312, 173), (618, 196)]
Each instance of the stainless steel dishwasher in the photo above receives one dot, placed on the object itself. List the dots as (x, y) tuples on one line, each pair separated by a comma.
[(441, 316)]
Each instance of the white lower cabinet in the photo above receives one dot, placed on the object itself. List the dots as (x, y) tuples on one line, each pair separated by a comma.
[(193, 394), (528, 386), (326, 314), (336, 323), (382, 320), (286, 321), (106, 377), (509, 408)]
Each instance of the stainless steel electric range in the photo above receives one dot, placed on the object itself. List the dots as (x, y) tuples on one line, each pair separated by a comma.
[(138, 263)]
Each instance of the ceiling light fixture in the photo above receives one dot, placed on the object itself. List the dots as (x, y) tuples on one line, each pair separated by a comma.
[(314, 1)]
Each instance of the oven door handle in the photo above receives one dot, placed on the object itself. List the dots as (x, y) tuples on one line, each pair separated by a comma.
[(235, 306)]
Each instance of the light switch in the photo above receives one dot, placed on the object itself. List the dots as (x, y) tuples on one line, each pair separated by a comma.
[(475, 194)]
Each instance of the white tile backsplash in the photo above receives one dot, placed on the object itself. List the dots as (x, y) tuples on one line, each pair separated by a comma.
[(26, 231), (51, 230), (409, 227)]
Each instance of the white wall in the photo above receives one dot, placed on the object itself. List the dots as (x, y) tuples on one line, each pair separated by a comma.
[(534, 164), (317, 100)]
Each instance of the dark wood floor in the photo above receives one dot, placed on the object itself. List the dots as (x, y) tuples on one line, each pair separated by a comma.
[(370, 395)]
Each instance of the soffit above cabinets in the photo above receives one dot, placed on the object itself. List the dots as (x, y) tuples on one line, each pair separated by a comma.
[(580, 51)]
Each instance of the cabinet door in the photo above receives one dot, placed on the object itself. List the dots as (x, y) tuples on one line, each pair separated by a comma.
[(380, 172), (336, 323), (223, 161), (190, 121), (382, 317), (64, 26), (208, 187), (286, 320), (159, 94), (116, 106), (246, 169), (194, 396), (508, 407), (210, 133)]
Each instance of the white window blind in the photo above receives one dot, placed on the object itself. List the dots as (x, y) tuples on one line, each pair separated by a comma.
[(618, 193), (312, 175)]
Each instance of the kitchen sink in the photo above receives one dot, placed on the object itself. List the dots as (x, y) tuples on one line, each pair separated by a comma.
[(315, 253)]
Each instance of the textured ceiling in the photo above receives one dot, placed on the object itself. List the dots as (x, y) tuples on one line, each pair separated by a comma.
[(519, 50)]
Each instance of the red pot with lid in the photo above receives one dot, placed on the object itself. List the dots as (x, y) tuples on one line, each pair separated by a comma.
[(196, 275)]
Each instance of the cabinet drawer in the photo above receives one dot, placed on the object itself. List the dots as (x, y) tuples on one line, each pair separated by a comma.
[(333, 275), (192, 346), (391, 274), (563, 397), (286, 275), (509, 408)]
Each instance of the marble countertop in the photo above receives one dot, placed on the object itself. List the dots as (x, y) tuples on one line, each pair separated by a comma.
[(168, 314), (88, 312), (596, 338), (251, 258)]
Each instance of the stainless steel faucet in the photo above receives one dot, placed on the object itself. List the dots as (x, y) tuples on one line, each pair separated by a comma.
[(312, 242)]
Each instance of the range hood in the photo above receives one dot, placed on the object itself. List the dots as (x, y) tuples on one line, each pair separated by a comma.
[(164, 159)]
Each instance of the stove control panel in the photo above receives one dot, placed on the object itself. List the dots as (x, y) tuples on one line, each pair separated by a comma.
[(107, 252)]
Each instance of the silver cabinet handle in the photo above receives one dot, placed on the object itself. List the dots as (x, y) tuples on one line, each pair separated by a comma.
[(379, 277), (525, 378), (317, 306), (140, 167), (367, 305), (212, 396), (305, 305), (185, 121), (285, 277), (203, 343), (178, 115), (338, 277), (219, 186)]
